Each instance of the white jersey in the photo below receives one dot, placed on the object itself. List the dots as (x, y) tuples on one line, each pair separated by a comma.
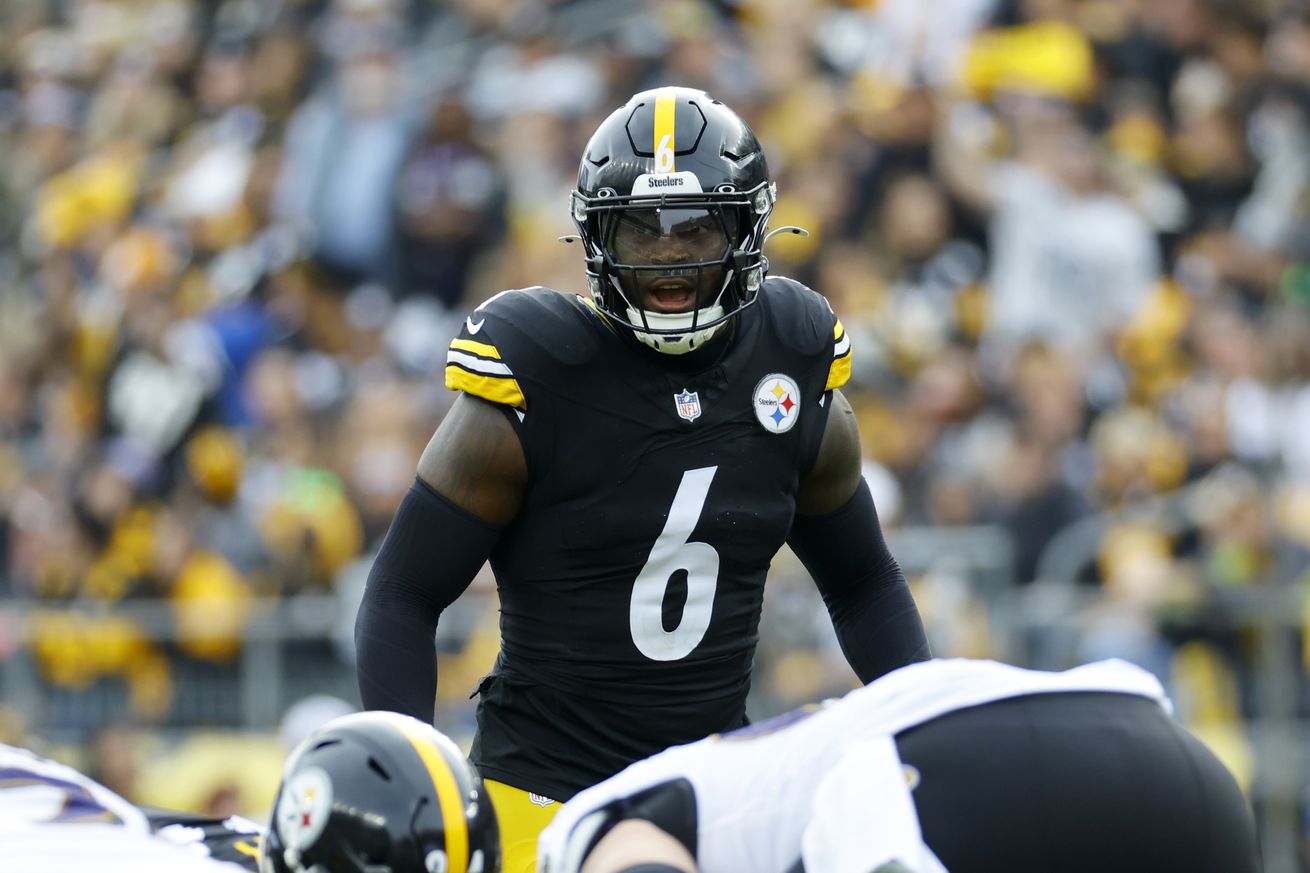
[(54, 819), (755, 789)]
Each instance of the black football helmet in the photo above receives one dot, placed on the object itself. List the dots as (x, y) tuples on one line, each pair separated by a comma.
[(378, 792), (673, 164)]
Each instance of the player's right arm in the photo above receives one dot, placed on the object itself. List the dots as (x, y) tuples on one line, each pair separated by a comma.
[(470, 482), (475, 460)]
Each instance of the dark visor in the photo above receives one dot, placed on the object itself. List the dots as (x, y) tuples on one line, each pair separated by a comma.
[(669, 235)]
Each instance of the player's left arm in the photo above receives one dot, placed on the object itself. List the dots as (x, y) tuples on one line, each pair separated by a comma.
[(837, 537), (638, 846)]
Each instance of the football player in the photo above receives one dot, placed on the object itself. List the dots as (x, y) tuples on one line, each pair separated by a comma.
[(952, 765), (630, 461), (54, 819), (366, 793)]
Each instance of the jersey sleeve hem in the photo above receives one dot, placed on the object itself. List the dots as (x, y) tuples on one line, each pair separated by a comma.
[(839, 371), (476, 368)]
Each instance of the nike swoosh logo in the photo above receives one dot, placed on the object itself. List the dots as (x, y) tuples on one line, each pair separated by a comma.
[(474, 326)]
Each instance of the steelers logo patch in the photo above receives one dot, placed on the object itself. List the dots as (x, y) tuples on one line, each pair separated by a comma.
[(777, 402), (304, 808)]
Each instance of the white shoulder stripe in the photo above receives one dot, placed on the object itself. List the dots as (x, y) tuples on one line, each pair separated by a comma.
[(478, 365), (842, 346)]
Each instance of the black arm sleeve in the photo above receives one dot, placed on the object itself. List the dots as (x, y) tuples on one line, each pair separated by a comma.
[(429, 556), (863, 587)]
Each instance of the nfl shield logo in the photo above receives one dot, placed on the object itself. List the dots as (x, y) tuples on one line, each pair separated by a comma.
[(688, 403)]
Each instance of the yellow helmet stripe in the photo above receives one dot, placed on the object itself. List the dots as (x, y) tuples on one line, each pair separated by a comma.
[(452, 804), (666, 112)]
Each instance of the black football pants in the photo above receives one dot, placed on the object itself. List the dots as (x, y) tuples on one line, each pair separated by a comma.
[(1076, 783)]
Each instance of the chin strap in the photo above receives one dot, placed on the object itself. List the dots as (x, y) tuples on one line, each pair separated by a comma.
[(675, 344), (668, 340)]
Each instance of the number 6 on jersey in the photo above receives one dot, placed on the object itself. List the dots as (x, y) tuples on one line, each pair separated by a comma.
[(671, 553)]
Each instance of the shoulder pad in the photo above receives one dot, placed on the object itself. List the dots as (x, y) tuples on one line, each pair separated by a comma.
[(804, 321), (517, 332)]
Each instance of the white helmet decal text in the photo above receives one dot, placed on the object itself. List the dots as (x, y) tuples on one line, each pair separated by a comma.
[(655, 184)]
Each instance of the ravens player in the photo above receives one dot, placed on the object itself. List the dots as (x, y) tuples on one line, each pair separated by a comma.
[(630, 461), (378, 791), (370, 792), (953, 765), (55, 819)]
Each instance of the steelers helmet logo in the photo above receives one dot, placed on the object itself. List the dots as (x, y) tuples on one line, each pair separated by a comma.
[(304, 808), (777, 402)]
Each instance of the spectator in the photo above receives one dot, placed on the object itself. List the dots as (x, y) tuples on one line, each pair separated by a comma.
[(1070, 240), (344, 150), (1071, 263), (450, 194)]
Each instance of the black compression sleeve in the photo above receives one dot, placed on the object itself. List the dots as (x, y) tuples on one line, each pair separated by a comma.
[(429, 556), (863, 587)]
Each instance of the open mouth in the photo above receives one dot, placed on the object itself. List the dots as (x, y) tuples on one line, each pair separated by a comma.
[(671, 295)]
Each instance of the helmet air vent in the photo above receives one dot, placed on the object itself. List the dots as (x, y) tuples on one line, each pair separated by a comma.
[(376, 766)]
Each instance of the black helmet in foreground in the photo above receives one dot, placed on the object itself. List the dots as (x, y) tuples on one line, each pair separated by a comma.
[(378, 792)]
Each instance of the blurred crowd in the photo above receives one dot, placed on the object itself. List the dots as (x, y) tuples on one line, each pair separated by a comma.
[(1070, 240)]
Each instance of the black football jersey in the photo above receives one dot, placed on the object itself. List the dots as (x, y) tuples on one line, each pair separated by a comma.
[(660, 488)]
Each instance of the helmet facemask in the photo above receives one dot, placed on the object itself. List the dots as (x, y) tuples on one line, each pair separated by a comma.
[(674, 268)]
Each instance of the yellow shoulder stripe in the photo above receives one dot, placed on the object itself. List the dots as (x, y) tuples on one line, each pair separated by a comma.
[(497, 389), (477, 368), (839, 373), (477, 348)]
